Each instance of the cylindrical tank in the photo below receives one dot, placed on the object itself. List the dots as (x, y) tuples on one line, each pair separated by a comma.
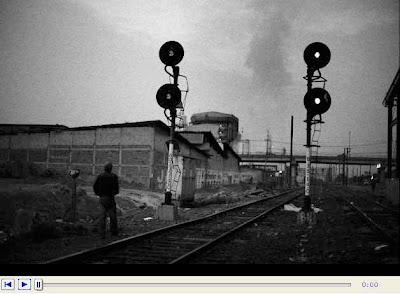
[(229, 122)]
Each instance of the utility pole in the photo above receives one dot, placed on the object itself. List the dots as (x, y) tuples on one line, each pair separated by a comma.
[(348, 156), (74, 174), (291, 153), (343, 168), (266, 153), (347, 150)]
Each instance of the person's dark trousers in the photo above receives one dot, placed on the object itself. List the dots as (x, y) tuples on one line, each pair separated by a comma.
[(108, 207)]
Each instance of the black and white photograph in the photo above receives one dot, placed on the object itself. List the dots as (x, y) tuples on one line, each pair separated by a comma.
[(199, 132)]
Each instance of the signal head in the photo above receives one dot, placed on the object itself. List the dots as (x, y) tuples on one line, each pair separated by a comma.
[(317, 55), (168, 96), (171, 53), (317, 101)]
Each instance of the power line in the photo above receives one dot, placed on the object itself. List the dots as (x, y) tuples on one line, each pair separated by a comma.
[(330, 146), (374, 142), (355, 145)]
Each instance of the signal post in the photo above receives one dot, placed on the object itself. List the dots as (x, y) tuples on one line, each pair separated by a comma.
[(169, 97), (316, 102)]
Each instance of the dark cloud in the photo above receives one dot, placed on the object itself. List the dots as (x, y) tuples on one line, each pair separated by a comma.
[(268, 53)]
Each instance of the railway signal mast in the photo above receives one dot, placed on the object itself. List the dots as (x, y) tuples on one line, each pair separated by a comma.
[(316, 101), (169, 97)]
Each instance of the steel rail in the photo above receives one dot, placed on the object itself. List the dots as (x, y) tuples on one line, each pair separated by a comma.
[(86, 254), (387, 208), (197, 251), (370, 221), (373, 224)]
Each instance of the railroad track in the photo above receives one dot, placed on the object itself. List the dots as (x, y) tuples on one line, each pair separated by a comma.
[(382, 221), (181, 242)]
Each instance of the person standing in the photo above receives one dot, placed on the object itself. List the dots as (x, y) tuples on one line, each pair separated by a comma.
[(373, 182), (106, 186)]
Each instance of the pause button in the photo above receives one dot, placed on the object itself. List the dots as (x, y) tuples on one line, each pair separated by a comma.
[(38, 284)]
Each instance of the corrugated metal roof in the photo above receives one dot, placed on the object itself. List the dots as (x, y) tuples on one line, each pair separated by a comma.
[(213, 142), (8, 129), (210, 138), (150, 123), (153, 123)]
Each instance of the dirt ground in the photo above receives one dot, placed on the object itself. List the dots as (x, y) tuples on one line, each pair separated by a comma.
[(278, 240), (36, 224), (334, 239)]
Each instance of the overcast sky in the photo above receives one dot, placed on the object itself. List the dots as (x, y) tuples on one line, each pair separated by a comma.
[(91, 62)]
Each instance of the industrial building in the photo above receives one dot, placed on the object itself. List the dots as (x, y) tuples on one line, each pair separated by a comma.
[(222, 165), (391, 101), (138, 151)]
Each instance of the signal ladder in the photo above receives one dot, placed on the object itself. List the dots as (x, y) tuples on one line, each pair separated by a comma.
[(315, 147), (175, 181)]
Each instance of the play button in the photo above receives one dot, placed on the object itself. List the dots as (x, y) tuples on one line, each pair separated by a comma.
[(24, 284)]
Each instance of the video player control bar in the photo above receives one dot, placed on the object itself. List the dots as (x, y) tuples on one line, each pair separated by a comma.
[(323, 285)]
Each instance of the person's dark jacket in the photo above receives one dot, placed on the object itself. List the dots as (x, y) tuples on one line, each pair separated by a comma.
[(106, 185)]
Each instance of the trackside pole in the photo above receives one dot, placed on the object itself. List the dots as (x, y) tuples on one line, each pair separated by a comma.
[(307, 198), (74, 175), (169, 97), (291, 174), (168, 211), (73, 206), (168, 193), (306, 215), (316, 101)]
